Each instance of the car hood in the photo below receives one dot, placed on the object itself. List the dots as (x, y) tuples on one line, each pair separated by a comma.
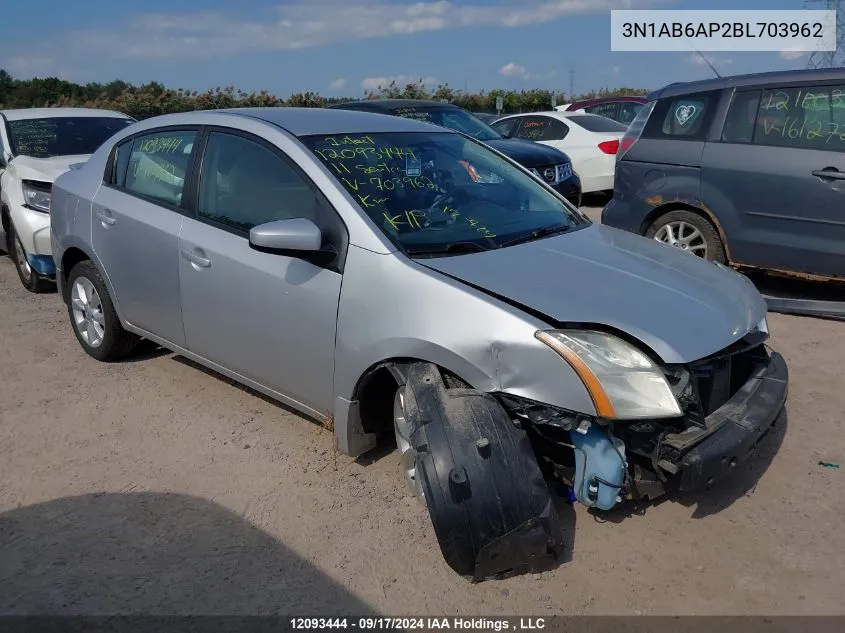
[(44, 169), (529, 153), (682, 307)]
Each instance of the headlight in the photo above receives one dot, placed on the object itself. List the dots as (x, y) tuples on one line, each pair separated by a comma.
[(623, 382), (36, 197)]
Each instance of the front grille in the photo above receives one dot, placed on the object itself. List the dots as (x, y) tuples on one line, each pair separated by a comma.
[(553, 174), (718, 377)]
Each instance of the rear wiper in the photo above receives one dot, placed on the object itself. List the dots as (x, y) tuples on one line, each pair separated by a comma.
[(446, 249), (546, 231)]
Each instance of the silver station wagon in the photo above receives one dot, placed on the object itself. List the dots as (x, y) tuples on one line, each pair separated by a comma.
[(404, 282)]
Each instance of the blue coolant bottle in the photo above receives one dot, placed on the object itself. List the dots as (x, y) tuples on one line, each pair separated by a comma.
[(600, 467)]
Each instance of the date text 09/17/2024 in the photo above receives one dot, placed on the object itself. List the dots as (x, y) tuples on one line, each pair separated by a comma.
[(420, 623)]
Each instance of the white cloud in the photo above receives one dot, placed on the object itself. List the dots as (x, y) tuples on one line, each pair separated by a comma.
[(338, 84), (306, 23), (715, 60), (792, 55), (512, 70), (614, 71), (374, 83)]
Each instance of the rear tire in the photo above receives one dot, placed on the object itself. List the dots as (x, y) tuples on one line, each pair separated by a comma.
[(690, 232), (487, 499), (93, 317), (29, 278)]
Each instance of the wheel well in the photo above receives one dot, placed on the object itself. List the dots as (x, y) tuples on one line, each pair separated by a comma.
[(71, 258), (682, 206), (4, 216), (377, 388)]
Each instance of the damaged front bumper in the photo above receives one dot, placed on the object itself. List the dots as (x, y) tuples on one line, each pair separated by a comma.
[(704, 455)]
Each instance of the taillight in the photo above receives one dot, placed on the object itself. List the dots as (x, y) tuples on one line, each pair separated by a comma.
[(609, 147)]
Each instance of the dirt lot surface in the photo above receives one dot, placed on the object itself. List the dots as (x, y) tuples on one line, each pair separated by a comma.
[(154, 486)]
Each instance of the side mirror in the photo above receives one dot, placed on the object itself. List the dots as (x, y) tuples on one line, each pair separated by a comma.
[(295, 234)]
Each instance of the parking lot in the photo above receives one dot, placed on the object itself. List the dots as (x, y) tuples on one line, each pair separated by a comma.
[(155, 486)]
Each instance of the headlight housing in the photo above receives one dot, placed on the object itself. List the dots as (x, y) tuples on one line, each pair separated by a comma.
[(623, 383), (37, 195)]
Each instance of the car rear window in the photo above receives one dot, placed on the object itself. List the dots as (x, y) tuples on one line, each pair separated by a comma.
[(597, 123)]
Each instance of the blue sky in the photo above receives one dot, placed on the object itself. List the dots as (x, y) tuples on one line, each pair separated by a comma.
[(343, 47)]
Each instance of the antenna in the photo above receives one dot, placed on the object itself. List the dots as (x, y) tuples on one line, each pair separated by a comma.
[(830, 59), (706, 61)]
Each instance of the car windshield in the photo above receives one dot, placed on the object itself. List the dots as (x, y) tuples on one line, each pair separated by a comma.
[(62, 136), (451, 118), (442, 193), (596, 123)]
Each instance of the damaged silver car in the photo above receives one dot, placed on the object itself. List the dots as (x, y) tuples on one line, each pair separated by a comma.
[(405, 282)]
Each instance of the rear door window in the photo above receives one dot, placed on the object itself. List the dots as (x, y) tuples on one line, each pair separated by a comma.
[(742, 116), (807, 117), (158, 165), (685, 117)]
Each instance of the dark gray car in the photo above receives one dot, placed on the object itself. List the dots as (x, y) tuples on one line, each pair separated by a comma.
[(746, 170)]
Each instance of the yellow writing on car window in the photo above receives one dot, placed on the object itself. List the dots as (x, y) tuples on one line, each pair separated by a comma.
[(160, 145), (417, 219)]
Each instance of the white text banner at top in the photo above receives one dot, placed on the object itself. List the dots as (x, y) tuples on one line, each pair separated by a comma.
[(723, 30)]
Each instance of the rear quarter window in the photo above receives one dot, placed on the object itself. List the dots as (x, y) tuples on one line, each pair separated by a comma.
[(684, 117)]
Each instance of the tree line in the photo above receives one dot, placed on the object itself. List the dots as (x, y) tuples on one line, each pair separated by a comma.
[(152, 99)]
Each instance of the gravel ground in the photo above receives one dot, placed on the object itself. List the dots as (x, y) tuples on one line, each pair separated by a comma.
[(154, 486)]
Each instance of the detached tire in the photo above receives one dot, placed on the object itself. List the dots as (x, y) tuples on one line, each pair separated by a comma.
[(29, 278), (93, 317), (691, 232), (487, 499)]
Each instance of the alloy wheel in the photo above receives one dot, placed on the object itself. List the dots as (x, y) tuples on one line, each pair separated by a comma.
[(88, 317), (684, 236)]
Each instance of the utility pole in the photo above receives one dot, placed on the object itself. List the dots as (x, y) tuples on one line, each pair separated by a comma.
[(830, 59), (571, 85)]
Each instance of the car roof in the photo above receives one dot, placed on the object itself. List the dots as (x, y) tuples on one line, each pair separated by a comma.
[(576, 105), (309, 121), (389, 105), (20, 114), (755, 79)]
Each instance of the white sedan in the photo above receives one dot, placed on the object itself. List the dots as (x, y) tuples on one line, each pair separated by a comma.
[(590, 140)]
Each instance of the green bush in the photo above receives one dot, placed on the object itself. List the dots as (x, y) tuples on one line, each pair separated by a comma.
[(153, 98)]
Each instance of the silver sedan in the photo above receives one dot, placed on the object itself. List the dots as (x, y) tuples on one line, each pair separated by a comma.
[(405, 282)]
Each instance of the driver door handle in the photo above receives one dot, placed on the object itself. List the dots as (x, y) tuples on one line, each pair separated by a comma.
[(202, 262)]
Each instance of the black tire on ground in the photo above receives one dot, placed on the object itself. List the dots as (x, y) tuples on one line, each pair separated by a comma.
[(715, 247), (488, 502), (117, 343), (29, 278)]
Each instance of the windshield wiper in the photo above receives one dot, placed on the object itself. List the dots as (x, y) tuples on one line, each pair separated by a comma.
[(546, 231), (448, 249)]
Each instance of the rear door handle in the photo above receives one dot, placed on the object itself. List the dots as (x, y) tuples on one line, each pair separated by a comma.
[(105, 217), (830, 173), (199, 260)]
